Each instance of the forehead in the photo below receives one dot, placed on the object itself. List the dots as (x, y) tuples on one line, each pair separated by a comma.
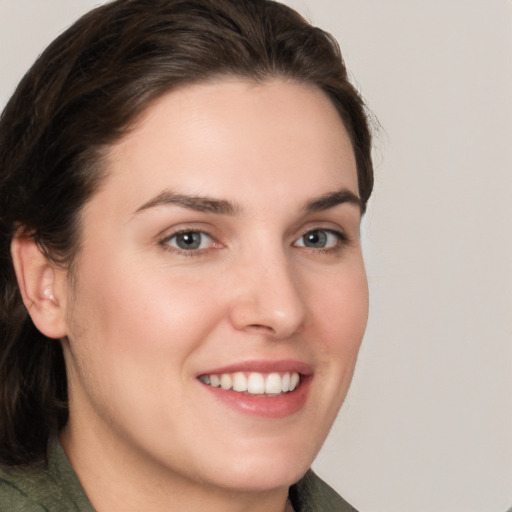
[(226, 137)]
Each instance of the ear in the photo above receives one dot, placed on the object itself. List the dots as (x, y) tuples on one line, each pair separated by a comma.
[(43, 286)]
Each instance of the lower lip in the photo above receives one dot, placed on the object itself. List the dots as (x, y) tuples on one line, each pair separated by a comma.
[(272, 407)]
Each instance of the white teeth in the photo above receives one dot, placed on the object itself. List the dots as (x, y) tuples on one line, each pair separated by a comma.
[(273, 384), (239, 382), (226, 382), (294, 381), (285, 383), (254, 383)]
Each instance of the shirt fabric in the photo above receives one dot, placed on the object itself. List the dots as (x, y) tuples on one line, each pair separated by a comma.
[(55, 488)]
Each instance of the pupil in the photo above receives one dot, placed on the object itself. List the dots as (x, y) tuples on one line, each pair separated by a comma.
[(189, 240), (316, 239)]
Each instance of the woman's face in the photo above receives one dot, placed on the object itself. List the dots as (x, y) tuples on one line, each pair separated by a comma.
[(222, 250)]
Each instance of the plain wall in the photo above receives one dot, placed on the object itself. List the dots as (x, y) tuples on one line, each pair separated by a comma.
[(427, 426)]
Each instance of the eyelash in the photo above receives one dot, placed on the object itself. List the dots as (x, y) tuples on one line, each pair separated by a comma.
[(165, 242), (341, 241)]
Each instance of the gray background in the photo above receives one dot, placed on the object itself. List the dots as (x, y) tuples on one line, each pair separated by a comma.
[(427, 425)]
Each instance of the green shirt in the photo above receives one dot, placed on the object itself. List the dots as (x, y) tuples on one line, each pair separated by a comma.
[(55, 488)]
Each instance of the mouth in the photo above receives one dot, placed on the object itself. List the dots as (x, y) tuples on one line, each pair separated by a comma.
[(265, 389), (254, 383)]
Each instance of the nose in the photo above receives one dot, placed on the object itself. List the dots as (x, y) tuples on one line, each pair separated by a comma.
[(267, 297)]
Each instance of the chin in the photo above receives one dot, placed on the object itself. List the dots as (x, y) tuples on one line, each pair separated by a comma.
[(264, 479), (264, 471)]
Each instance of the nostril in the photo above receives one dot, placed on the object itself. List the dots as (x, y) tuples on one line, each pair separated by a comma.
[(259, 328)]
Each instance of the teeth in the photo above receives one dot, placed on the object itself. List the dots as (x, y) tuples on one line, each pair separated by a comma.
[(205, 379), (273, 384), (239, 382), (254, 383), (226, 382), (285, 383), (294, 381)]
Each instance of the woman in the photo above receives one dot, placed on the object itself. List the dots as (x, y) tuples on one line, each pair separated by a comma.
[(184, 293)]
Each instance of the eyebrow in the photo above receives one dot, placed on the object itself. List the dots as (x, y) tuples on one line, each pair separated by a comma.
[(332, 199), (197, 203), (225, 207)]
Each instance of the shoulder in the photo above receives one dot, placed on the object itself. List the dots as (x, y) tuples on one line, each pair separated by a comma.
[(43, 488), (25, 489), (312, 494)]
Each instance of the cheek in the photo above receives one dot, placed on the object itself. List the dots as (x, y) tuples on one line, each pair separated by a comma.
[(340, 314), (341, 310), (141, 308), (339, 306), (146, 324)]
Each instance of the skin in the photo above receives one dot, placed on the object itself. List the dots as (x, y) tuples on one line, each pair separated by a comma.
[(143, 318)]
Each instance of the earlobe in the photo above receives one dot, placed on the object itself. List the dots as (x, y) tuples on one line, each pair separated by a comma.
[(42, 286)]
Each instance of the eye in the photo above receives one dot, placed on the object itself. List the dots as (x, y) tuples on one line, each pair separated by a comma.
[(189, 241), (320, 239)]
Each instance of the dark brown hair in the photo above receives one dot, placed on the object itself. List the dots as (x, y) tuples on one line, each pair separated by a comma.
[(82, 94)]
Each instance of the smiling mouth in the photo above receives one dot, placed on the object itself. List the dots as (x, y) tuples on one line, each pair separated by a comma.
[(254, 383)]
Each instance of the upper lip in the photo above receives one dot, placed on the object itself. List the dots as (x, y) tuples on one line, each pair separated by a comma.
[(263, 366)]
